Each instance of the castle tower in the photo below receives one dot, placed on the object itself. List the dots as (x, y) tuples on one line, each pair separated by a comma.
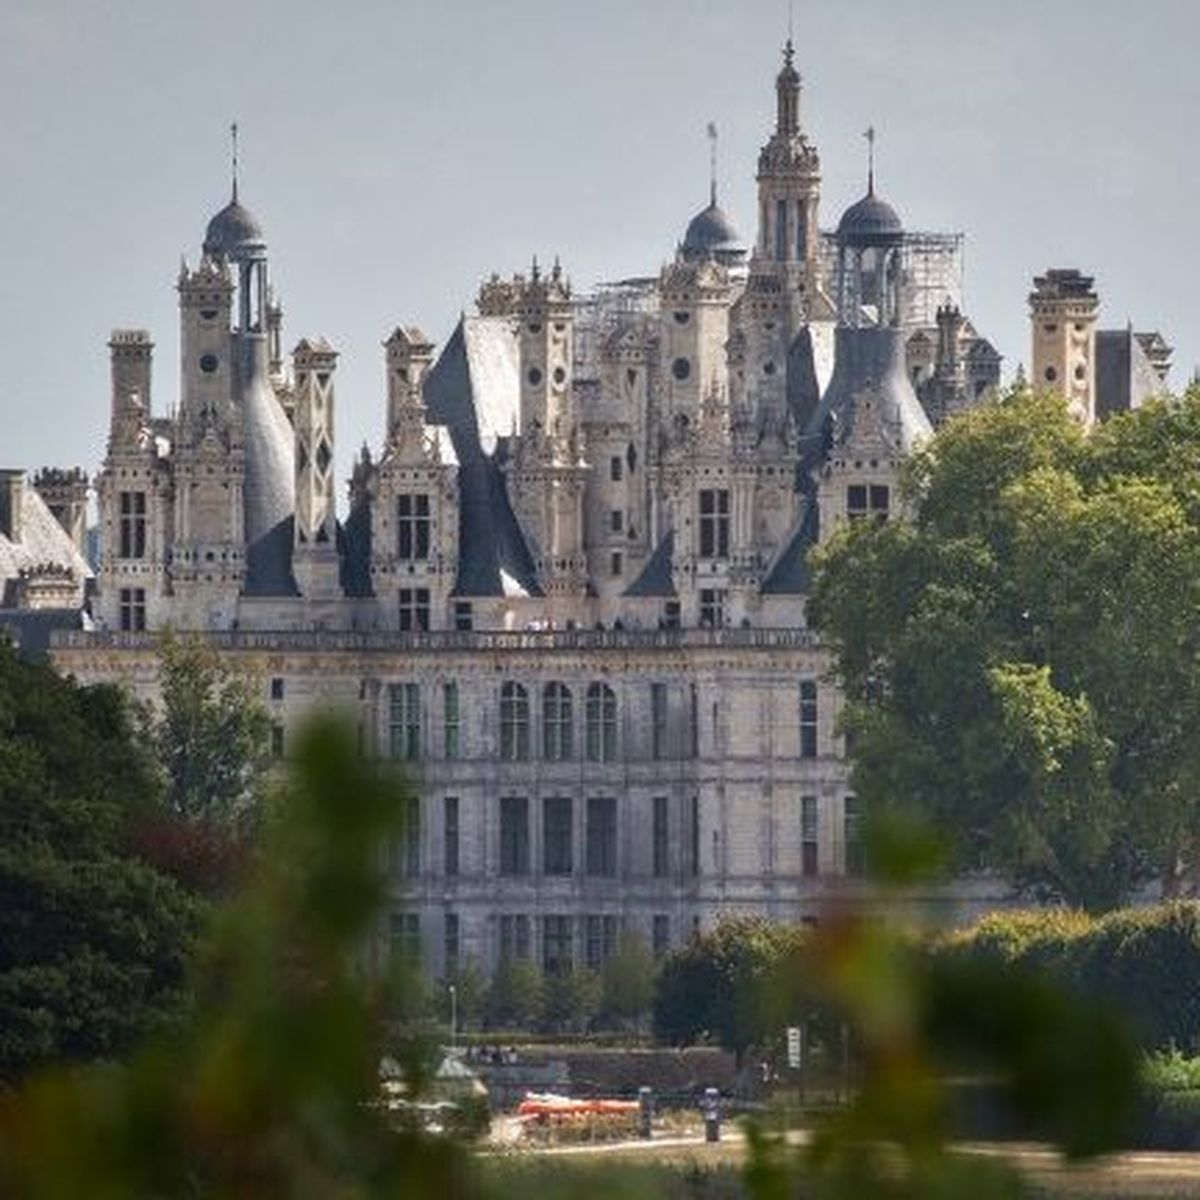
[(693, 331), (413, 497), (314, 531), (133, 495), (1062, 310), (789, 191), (542, 307)]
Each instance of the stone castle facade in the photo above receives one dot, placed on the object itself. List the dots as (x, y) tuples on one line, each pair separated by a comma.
[(569, 590)]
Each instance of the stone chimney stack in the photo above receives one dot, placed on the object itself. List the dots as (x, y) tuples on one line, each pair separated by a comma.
[(66, 494), (1062, 308), (132, 352), (12, 490)]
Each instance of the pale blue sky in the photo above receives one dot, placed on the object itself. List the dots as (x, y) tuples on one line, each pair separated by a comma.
[(396, 153)]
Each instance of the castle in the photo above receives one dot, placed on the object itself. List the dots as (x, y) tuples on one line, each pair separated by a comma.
[(569, 590)]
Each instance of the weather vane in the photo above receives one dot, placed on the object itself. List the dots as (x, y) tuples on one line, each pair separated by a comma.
[(712, 162), (234, 144), (870, 136)]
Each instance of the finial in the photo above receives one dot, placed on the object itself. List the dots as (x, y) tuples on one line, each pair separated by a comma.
[(533, 271), (870, 136), (788, 51), (234, 146), (712, 163)]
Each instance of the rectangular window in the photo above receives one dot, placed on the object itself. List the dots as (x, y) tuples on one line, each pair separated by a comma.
[(133, 609), (412, 526), (450, 945), (557, 835), (714, 523), (514, 937), (616, 468), (514, 722), (712, 607), (781, 237), (132, 529), (808, 719), (801, 232), (616, 521), (600, 940), (404, 706), (277, 740), (414, 609), (672, 615), (557, 950), (660, 840), (450, 835), (660, 935), (601, 836), (514, 835), (406, 849), (464, 616), (809, 838), (852, 833), (658, 720), (276, 689), (694, 838), (864, 501), (450, 720), (616, 563), (694, 722), (404, 936)]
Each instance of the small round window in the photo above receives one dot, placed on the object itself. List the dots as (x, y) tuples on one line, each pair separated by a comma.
[(560, 376), (208, 363), (768, 368), (682, 316), (681, 369), (1051, 374), (535, 327), (534, 376), (1080, 372)]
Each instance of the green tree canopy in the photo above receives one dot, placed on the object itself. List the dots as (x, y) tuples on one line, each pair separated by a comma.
[(94, 941), (1020, 661)]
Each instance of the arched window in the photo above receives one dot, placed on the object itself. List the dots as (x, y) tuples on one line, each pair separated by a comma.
[(514, 722), (558, 742), (601, 723)]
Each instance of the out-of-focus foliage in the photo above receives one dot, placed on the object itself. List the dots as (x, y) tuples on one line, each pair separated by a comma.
[(1020, 660), (1144, 962), (514, 996), (271, 1089), (93, 941)]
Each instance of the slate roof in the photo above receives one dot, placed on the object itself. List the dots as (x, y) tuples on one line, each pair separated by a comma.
[(869, 358), (655, 578), (473, 389), (1125, 377), (43, 540), (791, 574)]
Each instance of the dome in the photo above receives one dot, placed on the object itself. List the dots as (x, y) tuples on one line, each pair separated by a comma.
[(232, 229), (870, 222), (711, 232)]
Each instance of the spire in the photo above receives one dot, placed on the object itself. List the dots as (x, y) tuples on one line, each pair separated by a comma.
[(234, 154), (712, 163), (787, 92), (870, 136)]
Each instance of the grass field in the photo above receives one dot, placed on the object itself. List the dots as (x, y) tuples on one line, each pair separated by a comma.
[(685, 1168)]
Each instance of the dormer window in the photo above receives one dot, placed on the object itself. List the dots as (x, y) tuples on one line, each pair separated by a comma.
[(863, 500), (412, 526)]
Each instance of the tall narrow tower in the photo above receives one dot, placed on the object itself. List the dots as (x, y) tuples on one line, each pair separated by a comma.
[(1062, 310), (314, 548), (789, 184)]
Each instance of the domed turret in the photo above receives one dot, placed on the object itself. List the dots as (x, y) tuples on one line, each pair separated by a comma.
[(233, 231), (711, 232), (870, 222)]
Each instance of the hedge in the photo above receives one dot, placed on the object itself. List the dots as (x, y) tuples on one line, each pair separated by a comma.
[(1146, 961)]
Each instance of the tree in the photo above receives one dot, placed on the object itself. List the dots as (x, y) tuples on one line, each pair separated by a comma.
[(514, 995), (627, 980), (1019, 662), (211, 736), (720, 984), (94, 941), (570, 1000)]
